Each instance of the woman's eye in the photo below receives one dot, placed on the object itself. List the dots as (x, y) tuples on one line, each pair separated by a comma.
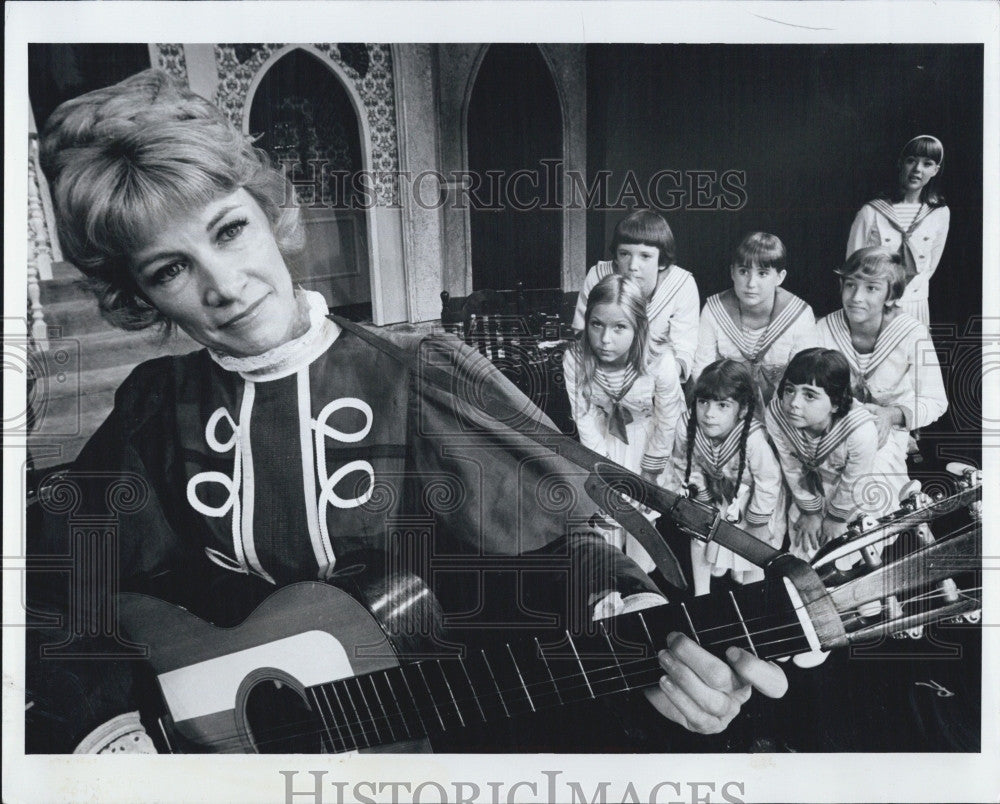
[(167, 272), (232, 230)]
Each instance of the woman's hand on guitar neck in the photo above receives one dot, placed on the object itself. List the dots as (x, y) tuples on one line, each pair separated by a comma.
[(702, 692)]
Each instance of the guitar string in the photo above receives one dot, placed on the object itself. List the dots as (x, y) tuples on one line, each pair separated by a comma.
[(596, 676), (365, 727), (618, 668), (960, 531), (420, 712), (614, 671), (371, 726)]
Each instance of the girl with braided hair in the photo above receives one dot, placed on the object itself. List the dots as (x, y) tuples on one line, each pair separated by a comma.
[(722, 456)]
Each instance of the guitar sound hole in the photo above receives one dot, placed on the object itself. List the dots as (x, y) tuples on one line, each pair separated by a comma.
[(279, 720)]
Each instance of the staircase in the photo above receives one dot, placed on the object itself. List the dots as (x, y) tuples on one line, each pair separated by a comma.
[(85, 362)]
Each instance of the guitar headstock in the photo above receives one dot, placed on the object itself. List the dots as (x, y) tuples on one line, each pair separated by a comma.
[(893, 573)]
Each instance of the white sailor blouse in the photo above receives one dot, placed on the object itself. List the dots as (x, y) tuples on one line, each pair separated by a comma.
[(876, 225), (760, 499), (901, 370), (826, 474), (672, 312), (629, 417), (766, 351)]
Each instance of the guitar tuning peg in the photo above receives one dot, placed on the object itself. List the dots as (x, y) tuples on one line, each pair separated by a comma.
[(969, 476), (912, 497)]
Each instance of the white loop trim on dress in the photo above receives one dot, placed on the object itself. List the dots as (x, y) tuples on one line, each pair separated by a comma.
[(230, 484), (323, 431), (240, 509)]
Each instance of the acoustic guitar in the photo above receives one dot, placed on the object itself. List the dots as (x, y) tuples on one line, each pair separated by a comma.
[(312, 670)]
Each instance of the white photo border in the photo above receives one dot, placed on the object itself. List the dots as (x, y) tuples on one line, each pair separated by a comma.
[(763, 777)]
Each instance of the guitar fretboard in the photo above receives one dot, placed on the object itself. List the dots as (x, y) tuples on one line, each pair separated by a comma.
[(547, 669)]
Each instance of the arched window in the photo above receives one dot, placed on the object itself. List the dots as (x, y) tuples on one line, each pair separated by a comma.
[(515, 126), (306, 121)]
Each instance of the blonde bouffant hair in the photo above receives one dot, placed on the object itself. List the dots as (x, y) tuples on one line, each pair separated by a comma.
[(124, 159)]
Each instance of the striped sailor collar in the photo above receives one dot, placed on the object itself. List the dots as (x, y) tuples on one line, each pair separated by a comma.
[(887, 211), (718, 454), (811, 450), (670, 280), (889, 338), (725, 309)]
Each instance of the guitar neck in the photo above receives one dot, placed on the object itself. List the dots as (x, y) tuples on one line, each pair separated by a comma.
[(441, 692)]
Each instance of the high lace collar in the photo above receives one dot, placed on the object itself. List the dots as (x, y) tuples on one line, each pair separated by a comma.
[(288, 357)]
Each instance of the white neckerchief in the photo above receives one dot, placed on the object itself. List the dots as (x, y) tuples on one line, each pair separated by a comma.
[(288, 357)]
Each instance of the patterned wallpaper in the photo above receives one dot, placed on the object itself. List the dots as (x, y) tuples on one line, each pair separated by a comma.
[(171, 59), (368, 66)]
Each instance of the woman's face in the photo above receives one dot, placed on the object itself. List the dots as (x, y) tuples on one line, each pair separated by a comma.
[(217, 273)]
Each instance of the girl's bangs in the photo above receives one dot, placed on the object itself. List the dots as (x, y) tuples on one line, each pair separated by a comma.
[(715, 388), (923, 147), (759, 256), (761, 252)]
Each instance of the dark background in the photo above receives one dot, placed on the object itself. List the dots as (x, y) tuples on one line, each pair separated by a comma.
[(817, 129)]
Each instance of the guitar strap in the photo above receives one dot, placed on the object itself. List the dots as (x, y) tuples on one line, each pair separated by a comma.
[(606, 482)]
